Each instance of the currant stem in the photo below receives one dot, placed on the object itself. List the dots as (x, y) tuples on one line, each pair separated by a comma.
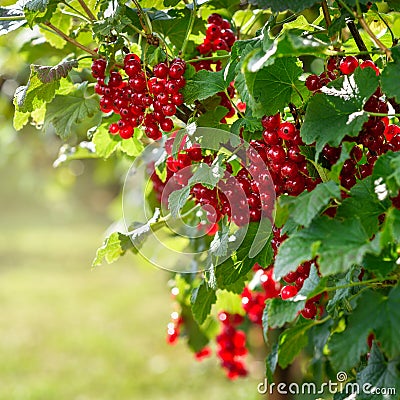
[(189, 29), (327, 16), (233, 104), (16, 18), (374, 114), (371, 34), (70, 40), (87, 10), (146, 25), (137, 30), (194, 60), (80, 15)]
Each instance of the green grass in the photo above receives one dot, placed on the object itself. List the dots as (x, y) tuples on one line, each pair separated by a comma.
[(69, 332)]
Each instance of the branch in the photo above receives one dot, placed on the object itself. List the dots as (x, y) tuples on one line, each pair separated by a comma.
[(13, 18), (358, 39), (189, 29), (87, 10), (327, 16), (72, 41), (371, 34)]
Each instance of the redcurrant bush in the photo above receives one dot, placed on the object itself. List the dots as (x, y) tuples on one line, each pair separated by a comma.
[(271, 153)]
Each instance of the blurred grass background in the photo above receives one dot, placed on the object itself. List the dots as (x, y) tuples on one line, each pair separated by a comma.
[(68, 332)]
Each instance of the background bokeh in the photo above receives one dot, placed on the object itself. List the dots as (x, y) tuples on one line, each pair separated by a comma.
[(67, 331)]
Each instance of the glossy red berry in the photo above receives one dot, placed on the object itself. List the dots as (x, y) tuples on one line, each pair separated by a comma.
[(348, 65), (287, 131), (288, 292), (309, 311)]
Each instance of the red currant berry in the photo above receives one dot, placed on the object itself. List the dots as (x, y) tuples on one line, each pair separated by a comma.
[(215, 19), (309, 311), (348, 65), (370, 64), (287, 131), (288, 292), (167, 125), (113, 129), (161, 70), (313, 83), (177, 70), (271, 122), (131, 57), (132, 68)]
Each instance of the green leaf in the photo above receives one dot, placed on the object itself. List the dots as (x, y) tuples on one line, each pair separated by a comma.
[(10, 12), (219, 245), (115, 20), (391, 227), (363, 204), (202, 300), (204, 84), (227, 278), (208, 175), (48, 74), (274, 86), (295, 43), (319, 335), (229, 302), (36, 5), (105, 143), (213, 118), (248, 123), (62, 22), (379, 373), (380, 265), (278, 312), (66, 112), (387, 171), (271, 362), (177, 200), (171, 3), (140, 231), (305, 207), (35, 93), (390, 77), (395, 4), (255, 247), (113, 248), (279, 5), (173, 25), (132, 147), (292, 341), (197, 338), (314, 284), (339, 245), (37, 11), (339, 110), (376, 313)]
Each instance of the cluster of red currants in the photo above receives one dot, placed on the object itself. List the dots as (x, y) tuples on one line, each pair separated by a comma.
[(281, 153), (261, 288), (140, 99), (232, 345), (173, 328), (377, 135), (219, 36), (311, 308), (245, 197)]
